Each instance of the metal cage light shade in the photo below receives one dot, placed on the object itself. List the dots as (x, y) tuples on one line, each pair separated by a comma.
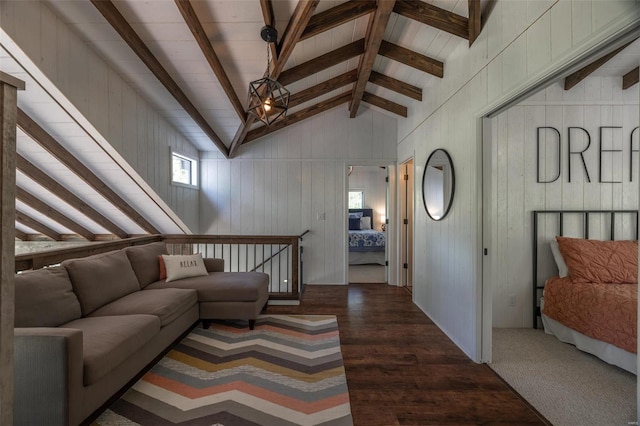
[(268, 99)]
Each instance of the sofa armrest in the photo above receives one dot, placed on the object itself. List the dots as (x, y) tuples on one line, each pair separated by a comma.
[(47, 376), (214, 265)]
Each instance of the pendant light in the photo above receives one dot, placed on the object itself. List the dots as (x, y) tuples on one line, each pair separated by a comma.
[(268, 99)]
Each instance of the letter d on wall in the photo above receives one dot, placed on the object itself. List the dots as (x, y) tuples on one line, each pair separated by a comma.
[(548, 135)]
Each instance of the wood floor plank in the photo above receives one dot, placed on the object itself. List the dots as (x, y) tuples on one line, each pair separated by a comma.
[(402, 369)]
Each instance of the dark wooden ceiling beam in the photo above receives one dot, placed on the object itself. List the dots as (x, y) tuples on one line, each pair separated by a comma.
[(336, 16), (192, 21), (52, 146), (411, 58), (377, 25), (22, 236), (434, 17), (395, 85), (323, 88), (630, 78), (299, 116), (385, 104), (475, 20), (572, 80), (69, 197), (269, 19), (298, 22), (122, 27), (32, 223), (53, 214), (322, 62)]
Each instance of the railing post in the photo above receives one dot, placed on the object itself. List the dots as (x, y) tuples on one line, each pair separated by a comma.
[(294, 267)]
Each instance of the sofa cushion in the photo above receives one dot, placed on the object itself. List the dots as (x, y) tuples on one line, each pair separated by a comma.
[(223, 286), (144, 261), (100, 279), (108, 341), (167, 304), (45, 298)]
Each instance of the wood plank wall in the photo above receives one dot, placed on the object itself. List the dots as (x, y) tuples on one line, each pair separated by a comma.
[(281, 184), (514, 50), (127, 120), (595, 102)]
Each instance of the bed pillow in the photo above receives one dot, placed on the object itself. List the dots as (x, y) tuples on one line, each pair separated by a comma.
[(357, 215), (354, 224), (184, 266), (563, 270), (365, 222), (600, 261)]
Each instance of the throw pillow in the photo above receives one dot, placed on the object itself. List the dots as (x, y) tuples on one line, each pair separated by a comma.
[(184, 266), (357, 215), (600, 261), (365, 222), (563, 271), (354, 224), (163, 268)]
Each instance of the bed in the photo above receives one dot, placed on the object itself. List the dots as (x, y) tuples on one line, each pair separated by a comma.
[(366, 245), (591, 301)]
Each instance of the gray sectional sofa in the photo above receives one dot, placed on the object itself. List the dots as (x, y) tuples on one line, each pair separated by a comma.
[(86, 328)]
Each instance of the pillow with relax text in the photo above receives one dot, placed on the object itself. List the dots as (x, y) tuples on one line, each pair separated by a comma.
[(184, 266), (600, 261)]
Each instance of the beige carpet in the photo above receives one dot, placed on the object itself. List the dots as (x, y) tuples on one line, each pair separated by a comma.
[(366, 274), (567, 386)]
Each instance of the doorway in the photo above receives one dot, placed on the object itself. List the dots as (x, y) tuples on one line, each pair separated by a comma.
[(406, 224), (367, 207)]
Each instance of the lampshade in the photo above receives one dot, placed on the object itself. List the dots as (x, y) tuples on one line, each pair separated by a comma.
[(268, 99)]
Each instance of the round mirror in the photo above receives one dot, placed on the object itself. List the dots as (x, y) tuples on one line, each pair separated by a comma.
[(438, 184)]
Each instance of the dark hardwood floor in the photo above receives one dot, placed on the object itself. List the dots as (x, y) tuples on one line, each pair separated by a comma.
[(402, 370)]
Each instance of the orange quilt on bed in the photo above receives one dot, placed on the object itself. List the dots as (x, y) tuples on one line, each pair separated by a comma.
[(606, 312)]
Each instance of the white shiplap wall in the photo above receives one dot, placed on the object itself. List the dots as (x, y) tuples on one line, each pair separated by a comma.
[(280, 184), (596, 102), (127, 121), (520, 44)]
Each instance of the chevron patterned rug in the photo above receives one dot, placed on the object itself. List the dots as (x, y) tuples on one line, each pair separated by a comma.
[(287, 371)]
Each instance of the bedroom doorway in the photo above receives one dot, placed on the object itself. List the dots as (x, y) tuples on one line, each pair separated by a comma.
[(366, 204)]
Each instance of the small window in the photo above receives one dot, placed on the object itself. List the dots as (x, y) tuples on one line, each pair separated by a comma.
[(184, 170), (356, 199)]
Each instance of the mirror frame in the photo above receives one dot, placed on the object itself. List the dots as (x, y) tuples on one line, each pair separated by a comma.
[(453, 184)]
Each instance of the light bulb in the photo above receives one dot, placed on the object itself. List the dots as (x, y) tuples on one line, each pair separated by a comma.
[(267, 105)]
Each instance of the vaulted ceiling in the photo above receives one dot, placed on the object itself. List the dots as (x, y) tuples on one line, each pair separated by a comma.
[(193, 61), (204, 53)]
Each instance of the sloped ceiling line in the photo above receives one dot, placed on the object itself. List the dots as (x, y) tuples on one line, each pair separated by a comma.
[(299, 116), (572, 80), (128, 34), (30, 222), (44, 139), (33, 202), (21, 235), (377, 25), (298, 22), (192, 21), (69, 197), (302, 25)]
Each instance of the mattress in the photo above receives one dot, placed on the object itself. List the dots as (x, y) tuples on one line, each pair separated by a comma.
[(605, 312)]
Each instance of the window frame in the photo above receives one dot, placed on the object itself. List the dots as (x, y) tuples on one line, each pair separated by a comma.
[(195, 170)]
